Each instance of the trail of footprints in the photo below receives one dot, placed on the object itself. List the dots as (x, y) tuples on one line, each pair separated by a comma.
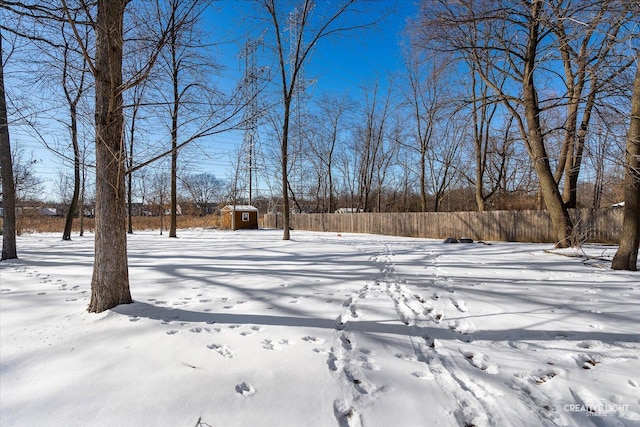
[(416, 312), (45, 279)]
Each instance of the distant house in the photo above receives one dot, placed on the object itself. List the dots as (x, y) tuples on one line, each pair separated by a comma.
[(236, 217), (348, 210), (49, 212)]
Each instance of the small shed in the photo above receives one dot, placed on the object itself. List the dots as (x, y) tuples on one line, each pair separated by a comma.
[(236, 217)]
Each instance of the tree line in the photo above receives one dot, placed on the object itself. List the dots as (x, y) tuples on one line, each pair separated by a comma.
[(501, 104)]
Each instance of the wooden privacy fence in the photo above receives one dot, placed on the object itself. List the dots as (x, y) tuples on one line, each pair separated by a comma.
[(592, 225)]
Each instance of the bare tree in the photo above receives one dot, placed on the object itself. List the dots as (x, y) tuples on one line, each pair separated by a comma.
[(26, 183), (443, 160), (160, 183), (424, 97), (506, 40), (371, 142), (110, 282), (626, 257), (9, 248), (323, 145), (203, 189), (177, 61), (183, 89), (487, 149), (137, 96), (291, 58), (589, 44), (74, 86)]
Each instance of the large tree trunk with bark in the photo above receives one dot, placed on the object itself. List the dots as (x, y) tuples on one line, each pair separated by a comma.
[(560, 219), (626, 257), (110, 282), (9, 250)]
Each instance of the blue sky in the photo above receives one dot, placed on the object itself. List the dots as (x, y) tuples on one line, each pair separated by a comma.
[(342, 63), (339, 62)]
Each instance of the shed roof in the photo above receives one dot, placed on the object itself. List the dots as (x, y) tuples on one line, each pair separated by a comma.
[(240, 208)]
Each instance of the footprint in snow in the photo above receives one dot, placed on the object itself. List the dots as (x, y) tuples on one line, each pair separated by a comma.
[(543, 377), (245, 389), (347, 342), (346, 415), (269, 345), (590, 344), (586, 361), (423, 375), (480, 361), (222, 350), (462, 326), (408, 357), (313, 339)]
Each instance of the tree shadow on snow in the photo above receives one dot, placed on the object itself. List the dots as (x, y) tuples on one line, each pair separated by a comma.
[(145, 310)]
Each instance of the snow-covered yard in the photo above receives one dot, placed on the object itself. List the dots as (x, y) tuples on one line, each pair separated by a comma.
[(244, 329)]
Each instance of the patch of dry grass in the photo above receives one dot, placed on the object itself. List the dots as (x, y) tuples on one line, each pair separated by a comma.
[(43, 224)]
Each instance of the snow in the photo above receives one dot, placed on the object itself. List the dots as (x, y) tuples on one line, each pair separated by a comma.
[(241, 328)]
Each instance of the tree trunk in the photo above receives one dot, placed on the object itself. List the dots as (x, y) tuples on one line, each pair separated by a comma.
[(173, 209), (130, 175), (82, 188), (110, 282), (626, 257), (423, 177), (558, 212), (575, 141), (9, 250), (285, 159), (174, 126), (66, 234)]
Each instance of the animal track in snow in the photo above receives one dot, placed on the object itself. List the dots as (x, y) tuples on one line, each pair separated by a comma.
[(423, 375), (314, 340), (408, 357), (245, 389), (346, 415), (480, 361), (462, 326), (269, 345), (222, 350), (543, 376), (586, 361)]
